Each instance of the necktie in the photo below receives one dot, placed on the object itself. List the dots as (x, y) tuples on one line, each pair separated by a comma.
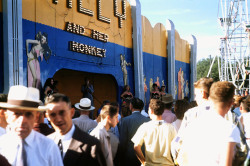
[(60, 147), (22, 155)]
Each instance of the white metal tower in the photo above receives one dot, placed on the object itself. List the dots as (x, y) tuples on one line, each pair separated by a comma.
[(234, 48)]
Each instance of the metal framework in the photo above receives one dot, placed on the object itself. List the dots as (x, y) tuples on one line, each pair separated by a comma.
[(235, 46)]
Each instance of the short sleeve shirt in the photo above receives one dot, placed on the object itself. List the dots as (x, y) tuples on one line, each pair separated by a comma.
[(157, 137)]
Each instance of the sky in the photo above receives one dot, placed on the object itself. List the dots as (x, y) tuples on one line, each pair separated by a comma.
[(190, 17)]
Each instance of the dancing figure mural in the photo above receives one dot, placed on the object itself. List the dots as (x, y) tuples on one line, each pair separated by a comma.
[(186, 89), (180, 84), (124, 65), (38, 49)]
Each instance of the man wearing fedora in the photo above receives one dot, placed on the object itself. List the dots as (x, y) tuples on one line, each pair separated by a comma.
[(167, 115), (22, 145), (77, 147), (84, 122)]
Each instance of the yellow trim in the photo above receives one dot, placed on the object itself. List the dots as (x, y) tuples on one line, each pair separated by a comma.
[(56, 15), (154, 39)]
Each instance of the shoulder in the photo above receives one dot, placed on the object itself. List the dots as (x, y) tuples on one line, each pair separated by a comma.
[(84, 137), (43, 140)]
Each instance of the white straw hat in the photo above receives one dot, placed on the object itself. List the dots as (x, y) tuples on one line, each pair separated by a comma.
[(85, 105), (23, 98)]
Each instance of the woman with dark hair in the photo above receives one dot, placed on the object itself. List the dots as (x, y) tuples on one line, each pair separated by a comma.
[(126, 95), (163, 90), (155, 94), (40, 49), (49, 87)]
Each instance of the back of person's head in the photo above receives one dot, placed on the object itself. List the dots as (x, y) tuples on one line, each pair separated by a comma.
[(246, 104), (237, 100), (56, 98), (193, 104), (154, 85), (137, 103), (156, 106), (108, 110), (3, 97), (181, 106), (204, 84), (222, 92), (116, 104)]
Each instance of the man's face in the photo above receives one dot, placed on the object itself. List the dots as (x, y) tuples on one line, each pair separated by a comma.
[(60, 115), (21, 121), (114, 120)]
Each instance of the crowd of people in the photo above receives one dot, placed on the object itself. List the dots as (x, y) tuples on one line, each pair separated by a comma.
[(213, 130)]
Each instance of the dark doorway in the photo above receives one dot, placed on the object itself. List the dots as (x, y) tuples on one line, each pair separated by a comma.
[(70, 82)]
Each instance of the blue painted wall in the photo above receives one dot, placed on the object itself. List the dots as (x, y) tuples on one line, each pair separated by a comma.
[(154, 66), (63, 58)]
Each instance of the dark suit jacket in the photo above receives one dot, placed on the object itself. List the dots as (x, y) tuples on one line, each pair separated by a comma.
[(84, 150), (128, 128)]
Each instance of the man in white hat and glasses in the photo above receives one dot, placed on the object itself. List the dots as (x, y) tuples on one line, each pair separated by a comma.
[(22, 145), (84, 122)]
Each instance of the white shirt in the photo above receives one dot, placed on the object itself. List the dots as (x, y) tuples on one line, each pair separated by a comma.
[(143, 112), (66, 139), (84, 123), (177, 124), (205, 140), (2, 131), (156, 136), (40, 150)]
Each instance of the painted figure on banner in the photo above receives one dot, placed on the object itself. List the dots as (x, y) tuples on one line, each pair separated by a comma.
[(175, 89), (145, 90), (180, 84), (151, 84), (124, 65), (157, 82), (38, 49), (187, 89)]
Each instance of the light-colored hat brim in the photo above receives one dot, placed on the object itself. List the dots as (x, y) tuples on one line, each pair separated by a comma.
[(10, 106), (78, 104)]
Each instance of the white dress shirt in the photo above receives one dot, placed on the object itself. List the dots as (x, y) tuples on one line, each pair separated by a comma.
[(2, 131), (66, 139), (40, 150)]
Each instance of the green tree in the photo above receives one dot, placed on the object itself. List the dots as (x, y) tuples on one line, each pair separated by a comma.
[(203, 68)]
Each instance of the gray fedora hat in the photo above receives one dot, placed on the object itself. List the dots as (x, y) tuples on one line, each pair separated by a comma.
[(168, 98)]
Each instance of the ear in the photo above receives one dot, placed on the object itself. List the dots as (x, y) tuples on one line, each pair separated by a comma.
[(204, 94), (2, 112), (72, 112)]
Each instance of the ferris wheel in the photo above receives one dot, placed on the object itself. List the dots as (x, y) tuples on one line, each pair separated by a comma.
[(233, 17)]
